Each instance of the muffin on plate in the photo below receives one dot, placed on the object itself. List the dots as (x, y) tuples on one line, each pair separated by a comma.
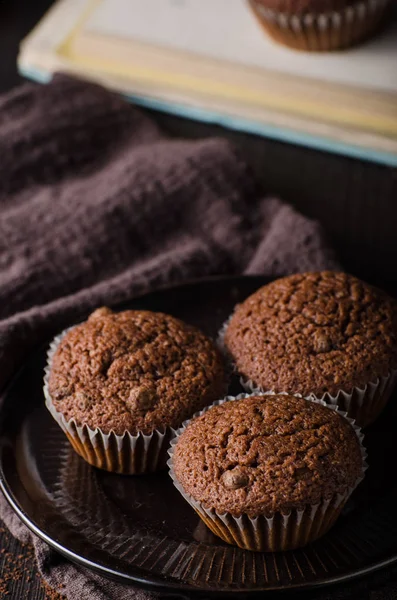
[(320, 25), (120, 383), (267, 472), (327, 335)]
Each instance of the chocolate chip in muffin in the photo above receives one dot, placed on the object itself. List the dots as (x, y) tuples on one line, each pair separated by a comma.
[(235, 479), (321, 342), (142, 398)]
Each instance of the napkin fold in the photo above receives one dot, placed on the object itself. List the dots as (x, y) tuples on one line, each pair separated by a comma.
[(96, 206)]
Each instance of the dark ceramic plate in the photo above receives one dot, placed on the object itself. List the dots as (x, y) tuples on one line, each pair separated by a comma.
[(139, 529)]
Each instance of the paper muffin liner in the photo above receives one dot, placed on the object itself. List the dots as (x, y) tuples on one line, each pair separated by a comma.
[(275, 531), (363, 404), (322, 31), (127, 454), (220, 342)]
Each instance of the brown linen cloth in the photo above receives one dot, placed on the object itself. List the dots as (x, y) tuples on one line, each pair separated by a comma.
[(96, 206)]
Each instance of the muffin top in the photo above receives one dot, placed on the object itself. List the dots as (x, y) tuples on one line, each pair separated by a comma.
[(134, 370), (298, 7), (263, 454), (314, 333)]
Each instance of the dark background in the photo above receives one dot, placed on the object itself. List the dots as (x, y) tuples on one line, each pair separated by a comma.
[(355, 201)]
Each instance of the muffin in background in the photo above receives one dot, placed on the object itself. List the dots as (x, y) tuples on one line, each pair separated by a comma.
[(120, 383), (320, 25), (267, 472), (326, 335)]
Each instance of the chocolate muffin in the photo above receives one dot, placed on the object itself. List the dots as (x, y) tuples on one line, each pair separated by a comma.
[(135, 372), (320, 25), (319, 334), (261, 461)]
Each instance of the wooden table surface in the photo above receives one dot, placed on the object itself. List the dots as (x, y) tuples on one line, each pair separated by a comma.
[(355, 201)]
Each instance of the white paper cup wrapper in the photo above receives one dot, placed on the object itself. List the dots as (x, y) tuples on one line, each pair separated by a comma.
[(220, 342), (272, 532), (363, 404), (322, 31), (127, 454)]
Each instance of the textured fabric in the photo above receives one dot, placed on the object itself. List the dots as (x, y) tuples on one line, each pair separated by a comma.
[(96, 206)]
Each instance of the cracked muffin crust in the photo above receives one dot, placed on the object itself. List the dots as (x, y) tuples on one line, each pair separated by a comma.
[(314, 333), (134, 371), (266, 454)]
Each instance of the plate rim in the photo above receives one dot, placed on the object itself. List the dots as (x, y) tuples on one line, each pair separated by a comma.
[(174, 587), (154, 582)]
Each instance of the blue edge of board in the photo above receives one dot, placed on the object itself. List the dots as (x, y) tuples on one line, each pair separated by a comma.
[(244, 125)]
